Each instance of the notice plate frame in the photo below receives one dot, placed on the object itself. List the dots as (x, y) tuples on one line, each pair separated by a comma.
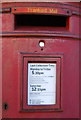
[(23, 78)]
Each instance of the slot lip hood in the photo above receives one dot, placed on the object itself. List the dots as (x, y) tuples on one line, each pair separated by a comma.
[(41, 10)]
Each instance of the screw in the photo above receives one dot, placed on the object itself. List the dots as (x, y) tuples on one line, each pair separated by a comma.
[(15, 9), (67, 11)]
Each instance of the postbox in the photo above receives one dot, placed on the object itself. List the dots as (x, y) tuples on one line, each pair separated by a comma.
[(40, 59)]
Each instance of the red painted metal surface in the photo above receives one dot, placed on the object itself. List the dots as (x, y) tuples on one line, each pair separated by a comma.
[(57, 43)]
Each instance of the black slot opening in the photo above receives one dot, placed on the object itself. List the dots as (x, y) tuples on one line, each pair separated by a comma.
[(31, 20)]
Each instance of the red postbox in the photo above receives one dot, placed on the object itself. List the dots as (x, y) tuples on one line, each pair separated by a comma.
[(40, 60)]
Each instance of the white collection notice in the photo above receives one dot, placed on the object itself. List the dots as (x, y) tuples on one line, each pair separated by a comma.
[(41, 83)]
